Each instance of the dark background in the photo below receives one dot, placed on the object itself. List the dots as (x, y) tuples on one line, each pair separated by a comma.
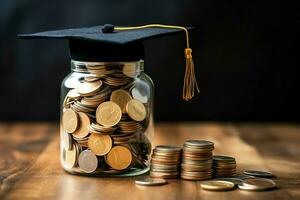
[(245, 53)]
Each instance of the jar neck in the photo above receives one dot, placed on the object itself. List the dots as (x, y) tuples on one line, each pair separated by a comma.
[(132, 68)]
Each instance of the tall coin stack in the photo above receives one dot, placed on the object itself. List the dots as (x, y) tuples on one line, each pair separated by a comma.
[(197, 160), (165, 162), (224, 166), (104, 119)]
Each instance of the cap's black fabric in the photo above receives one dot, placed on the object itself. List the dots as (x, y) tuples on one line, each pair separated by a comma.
[(92, 44), (82, 50)]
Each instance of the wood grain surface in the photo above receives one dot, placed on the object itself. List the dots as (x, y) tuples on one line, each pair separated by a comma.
[(30, 166)]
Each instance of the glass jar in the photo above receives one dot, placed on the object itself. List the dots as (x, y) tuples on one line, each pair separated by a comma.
[(106, 119)]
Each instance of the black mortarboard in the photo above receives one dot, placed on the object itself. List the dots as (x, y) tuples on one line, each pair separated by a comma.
[(103, 43), (115, 44)]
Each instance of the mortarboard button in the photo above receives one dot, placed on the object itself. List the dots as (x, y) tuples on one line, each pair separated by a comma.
[(108, 28)]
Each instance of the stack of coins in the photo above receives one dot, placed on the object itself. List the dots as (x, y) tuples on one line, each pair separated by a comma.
[(197, 160), (224, 166), (103, 124), (165, 162)]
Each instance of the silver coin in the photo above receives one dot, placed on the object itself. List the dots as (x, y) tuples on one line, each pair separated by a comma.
[(136, 94), (257, 184), (231, 179), (141, 91), (87, 161), (150, 181), (167, 148), (199, 143), (223, 158), (258, 173), (67, 140)]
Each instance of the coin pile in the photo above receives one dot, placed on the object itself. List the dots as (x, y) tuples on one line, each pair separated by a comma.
[(103, 125), (224, 166), (165, 162), (197, 160)]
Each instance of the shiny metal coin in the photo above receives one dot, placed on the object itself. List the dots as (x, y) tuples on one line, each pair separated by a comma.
[(264, 174), (257, 184), (231, 179), (87, 161), (150, 181), (217, 185)]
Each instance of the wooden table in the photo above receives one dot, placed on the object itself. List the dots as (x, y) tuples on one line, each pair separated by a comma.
[(30, 168)]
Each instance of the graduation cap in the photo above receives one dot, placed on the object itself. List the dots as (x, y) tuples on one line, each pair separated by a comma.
[(109, 43)]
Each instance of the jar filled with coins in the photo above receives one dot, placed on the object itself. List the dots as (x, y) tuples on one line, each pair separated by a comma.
[(106, 119)]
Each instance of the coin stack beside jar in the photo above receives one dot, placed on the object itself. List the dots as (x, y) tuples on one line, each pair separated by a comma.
[(104, 123), (197, 160), (165, 162), (224, 166)]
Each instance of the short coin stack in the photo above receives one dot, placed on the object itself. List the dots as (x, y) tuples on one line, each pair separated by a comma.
[(224, 166), (197, 160), (165, 162)]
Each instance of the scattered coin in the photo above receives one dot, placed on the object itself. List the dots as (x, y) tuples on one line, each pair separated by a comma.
[(87, 161), (70, 120), (217, 185), (119, 158), (136, 110), (257, 184), (150, 181), (258, 173), (100, 144)]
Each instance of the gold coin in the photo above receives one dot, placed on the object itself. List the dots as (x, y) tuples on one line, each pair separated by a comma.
[(108, 114), (150, 181), (119, 157), (87, 88), (70, 120), (136, 110), (130, 69), (120, 97), (83, 130), (100, 144), (73, 94), (70, 157), (217, 185), (91, 78)]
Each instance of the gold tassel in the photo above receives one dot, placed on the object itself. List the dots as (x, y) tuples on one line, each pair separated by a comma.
[(190, 81)]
